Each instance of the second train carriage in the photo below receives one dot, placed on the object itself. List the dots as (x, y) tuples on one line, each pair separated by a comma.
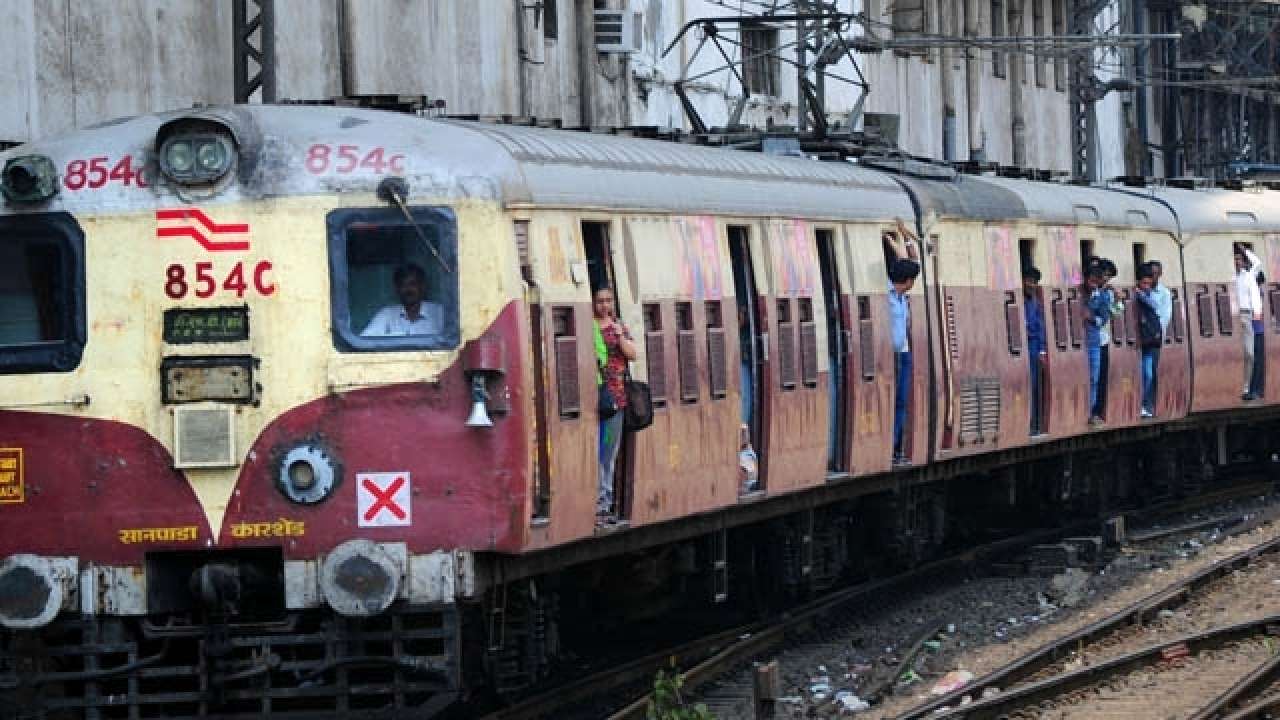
[(209, 466)]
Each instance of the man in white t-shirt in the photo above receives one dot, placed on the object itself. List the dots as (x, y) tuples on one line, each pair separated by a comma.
[(413, 316)]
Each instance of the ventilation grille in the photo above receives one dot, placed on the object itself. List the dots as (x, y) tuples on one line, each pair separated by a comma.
[(866, 339), (809, 354), (1013, 323), (567, 376), (979, 410), (1059, 321), (655, 351), (787, 354), (203, 437), (1179, 320), (687, 347), (1204, 312), (717, 362), (1224, 310)]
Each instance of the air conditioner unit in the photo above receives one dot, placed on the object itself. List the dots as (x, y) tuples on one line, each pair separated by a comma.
[(618, 31)]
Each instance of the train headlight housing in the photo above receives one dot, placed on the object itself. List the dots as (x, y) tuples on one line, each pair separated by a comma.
[(29, 179), (196, 159), (307, 474)]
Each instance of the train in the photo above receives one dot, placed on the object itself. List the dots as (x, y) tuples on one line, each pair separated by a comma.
[(222, 495)]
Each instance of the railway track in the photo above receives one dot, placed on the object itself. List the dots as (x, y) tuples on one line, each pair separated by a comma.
[(1035, 676), (709, 656), (708, 659)]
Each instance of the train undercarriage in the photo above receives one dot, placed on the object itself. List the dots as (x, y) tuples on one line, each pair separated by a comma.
[(244, 654)]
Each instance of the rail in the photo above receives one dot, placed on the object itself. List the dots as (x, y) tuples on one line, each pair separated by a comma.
[(1004, 678)]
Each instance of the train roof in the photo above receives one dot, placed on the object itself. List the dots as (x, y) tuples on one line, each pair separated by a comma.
[(1220, 210), (462, 160), (1071, 204), (965, 196)]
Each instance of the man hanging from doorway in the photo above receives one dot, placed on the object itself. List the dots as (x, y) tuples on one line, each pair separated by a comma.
[(1249, 299), (1037, 351), (903, 268)]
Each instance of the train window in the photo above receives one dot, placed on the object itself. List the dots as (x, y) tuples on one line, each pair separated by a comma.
[(394, 284), (42, 289), (786, 345), (717, 351), (686, 353), (1225, 316), (655, 353), (1179, 320), (808, 343)]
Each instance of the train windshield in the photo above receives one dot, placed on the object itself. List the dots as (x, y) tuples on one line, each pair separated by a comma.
[(41, 294), (395, 286)]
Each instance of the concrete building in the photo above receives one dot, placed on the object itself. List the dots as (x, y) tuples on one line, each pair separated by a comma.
[(78, 62)]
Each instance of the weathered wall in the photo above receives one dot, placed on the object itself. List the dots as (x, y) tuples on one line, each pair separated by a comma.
[(72, 63), (77, 62)]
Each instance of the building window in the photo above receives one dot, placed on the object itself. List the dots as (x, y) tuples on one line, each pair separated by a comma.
[(42, 289), (391, 290), (550, 20), (760, 60), (1037, 29), (1059, 21), (998, 30)]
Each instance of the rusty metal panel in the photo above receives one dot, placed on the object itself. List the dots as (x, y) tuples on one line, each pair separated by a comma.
[(688, 350), (226, 379), (717, 362), (567, 375)]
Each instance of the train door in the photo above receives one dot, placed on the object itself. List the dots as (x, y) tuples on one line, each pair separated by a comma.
[(614, 490), (751, 356), (1035, 317), (837, 351)]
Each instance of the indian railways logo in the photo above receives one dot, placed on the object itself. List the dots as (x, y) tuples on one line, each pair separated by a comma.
[(12, 484), (193, 223)]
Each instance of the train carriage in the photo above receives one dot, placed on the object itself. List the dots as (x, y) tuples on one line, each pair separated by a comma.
[(237, 477)]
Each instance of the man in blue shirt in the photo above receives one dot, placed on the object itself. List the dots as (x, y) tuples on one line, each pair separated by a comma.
[(1150, 336), (1098, 301), (1037, 351), (903, 269)]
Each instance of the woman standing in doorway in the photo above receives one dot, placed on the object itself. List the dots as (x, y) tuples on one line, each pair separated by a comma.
[(613, 350)]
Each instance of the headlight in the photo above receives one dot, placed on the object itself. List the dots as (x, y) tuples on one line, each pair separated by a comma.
[(196, 159), (307, 474)]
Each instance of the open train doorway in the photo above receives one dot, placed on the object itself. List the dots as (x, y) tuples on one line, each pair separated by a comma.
[(613, 454), (750, 349), (1037, 345), (837, 334)]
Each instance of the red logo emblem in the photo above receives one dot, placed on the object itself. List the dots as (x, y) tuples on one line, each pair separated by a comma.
[(193, 223)]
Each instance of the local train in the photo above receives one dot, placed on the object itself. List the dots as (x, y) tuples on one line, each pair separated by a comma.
[(221, 495)]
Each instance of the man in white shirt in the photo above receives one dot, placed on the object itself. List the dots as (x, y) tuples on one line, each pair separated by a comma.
[(1249, 300), (413, 316)]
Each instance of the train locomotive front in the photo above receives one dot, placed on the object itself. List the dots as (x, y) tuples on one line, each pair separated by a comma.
[(232, 480)]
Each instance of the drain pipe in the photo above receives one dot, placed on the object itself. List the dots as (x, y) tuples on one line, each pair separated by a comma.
[(973, 82)]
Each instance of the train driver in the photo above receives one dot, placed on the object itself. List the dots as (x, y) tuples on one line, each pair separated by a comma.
[(414, 315)]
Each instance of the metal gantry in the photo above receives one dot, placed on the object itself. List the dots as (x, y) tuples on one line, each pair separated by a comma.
[(254, 50), (1220, 87)]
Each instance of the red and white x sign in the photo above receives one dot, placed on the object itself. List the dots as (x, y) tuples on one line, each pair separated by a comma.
[(382, 499)]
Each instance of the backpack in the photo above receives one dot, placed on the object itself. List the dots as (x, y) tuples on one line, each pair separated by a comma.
[(1150, 334)]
